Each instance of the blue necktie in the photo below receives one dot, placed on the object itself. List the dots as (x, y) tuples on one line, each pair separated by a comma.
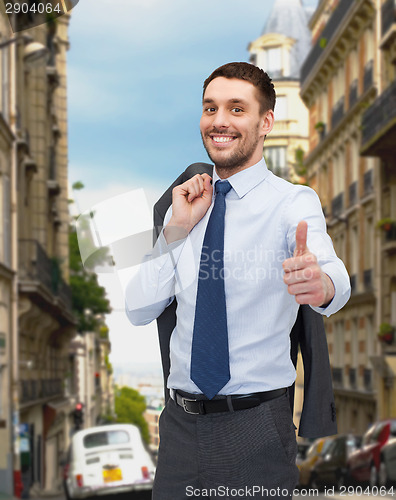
[(210, 367)]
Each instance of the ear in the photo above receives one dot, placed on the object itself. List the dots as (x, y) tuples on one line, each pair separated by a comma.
[(267, 123)]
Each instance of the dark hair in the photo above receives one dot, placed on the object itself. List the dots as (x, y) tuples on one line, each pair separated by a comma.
[(250, 73)]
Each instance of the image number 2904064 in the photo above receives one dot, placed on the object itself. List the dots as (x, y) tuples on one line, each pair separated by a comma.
[(25, 14)]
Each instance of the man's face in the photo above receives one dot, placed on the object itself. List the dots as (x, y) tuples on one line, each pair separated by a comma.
[(232, 127)]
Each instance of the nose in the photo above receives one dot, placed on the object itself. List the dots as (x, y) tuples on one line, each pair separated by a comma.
[(221, 119)]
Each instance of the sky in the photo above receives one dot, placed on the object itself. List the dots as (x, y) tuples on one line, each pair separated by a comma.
[(135, 75)]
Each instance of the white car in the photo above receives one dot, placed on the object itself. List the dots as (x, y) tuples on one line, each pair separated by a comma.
[(107, 459)]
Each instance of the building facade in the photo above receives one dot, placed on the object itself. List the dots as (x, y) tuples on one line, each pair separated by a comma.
[(8, 329), (340, 79), (280, 51), (46, 324), (378, 140), (36, 316)]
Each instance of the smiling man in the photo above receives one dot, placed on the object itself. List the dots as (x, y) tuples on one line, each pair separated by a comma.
[(239, 252)]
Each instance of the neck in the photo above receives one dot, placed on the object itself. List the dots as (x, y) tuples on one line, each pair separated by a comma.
[(226, 172)]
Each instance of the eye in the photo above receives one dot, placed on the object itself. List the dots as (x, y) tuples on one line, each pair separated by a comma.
[(210, 109), (237, 110)]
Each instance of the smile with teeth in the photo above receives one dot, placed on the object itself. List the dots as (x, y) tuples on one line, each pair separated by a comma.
[(221, 139)]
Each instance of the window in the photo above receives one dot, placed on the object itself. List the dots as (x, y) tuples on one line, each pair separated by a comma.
[(105, 438), (339, 344), (4, 106), (369, 251), (355, 159), (369, 336), (273, 62), (354, 257), (6, 209), (393, 301), (276, 160), (354, 343), (281, 108)]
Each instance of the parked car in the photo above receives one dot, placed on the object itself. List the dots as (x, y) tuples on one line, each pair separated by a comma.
[(331, 467), (364, 464), (387, 467), (107, 459), (302, 448), (305, 466)]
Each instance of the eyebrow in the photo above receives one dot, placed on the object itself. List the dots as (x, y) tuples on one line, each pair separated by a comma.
[(232, 101)]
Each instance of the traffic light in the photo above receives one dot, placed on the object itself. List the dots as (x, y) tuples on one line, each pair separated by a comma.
[(78, 416)]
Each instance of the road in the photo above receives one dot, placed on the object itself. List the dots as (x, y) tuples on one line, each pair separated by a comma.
[(356, 493)]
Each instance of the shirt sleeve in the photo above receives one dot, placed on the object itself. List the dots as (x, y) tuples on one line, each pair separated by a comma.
[(304, 204), (152, 288)]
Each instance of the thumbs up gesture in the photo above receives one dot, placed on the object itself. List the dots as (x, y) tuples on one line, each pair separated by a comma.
[(303, 275)]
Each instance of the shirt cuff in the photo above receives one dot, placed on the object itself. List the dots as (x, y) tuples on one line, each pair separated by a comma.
[(342, 289)]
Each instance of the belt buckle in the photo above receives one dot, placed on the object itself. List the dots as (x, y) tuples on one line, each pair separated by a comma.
[(186, 400)]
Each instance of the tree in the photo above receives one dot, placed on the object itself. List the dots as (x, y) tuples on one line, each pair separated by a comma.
[(89, 300), (129, 407)]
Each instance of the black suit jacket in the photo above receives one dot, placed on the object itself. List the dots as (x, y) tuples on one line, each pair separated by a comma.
[(318, 417)]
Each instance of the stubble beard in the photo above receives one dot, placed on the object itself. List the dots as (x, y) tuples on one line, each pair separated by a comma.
[(235, 161)]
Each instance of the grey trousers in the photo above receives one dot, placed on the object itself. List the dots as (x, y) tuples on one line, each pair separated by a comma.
[(243, 454)]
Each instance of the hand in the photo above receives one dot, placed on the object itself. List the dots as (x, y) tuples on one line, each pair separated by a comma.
[(190, 202), (303, 275)]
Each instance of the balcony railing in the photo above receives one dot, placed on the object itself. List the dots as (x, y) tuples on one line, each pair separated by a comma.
[(353, 92), (327, 34), (379, 115), (368, 184), (368, 75), (32, 390), (368, 279), (352, 377), (367, 379), (353, 193), (35, 265), (338, 376), (388, 15), (337, 205), (337, 113)]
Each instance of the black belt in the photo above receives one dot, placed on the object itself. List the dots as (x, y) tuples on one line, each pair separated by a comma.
[(229, 403)]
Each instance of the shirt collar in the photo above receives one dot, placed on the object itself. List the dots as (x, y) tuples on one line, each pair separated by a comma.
[(247, 179)]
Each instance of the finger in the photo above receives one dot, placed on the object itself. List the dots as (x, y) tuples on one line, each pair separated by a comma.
[(301, 276), (301, 238), (206, 177), (297, 263), (305, 298), (195, 188), (304, 287), (208, 188)]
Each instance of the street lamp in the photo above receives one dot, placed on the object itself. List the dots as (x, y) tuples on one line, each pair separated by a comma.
[(33, 51)]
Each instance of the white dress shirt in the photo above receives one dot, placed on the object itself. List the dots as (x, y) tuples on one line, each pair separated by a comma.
[(262, 213)]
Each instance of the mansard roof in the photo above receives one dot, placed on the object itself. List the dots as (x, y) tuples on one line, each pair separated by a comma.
[(290, 18)]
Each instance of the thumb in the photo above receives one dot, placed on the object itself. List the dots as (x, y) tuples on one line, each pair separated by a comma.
[(301, 239)]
